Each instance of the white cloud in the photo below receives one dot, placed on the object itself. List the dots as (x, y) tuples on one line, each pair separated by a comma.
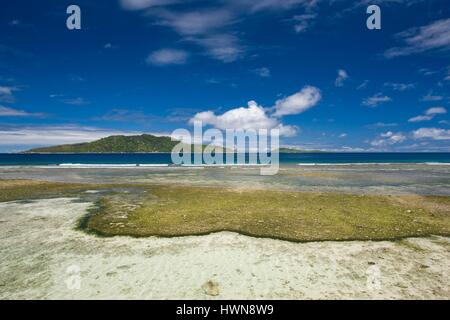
[(10, 112), (376, 100), (448, 74), (342, 76), (110, 46), (6, 90), (427, 72), (7, 93), (431, 97), (431, 133), (53, 135), (381, 125), (126, 115), (363, 85), (195, 22), (206, 29), (76, 101), (223, 47), (388, 138), (435, 36), (210, 28), (400, 86), (251, 117), (299, 102), (143, 4), (279, 5), (429, 114), (256, 117), (343, 135), (420, 118), (436, 110), (303, 22), (75, 78), (288, 131), (262, 72), (165, 57)]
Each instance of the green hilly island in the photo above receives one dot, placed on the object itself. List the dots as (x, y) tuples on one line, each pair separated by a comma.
[(145, 143), (115, 144)]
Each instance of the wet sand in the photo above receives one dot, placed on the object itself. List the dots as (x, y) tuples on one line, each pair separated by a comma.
[(44, 257)]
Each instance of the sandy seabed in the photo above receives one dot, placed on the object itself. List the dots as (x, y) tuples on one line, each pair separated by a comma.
[(44, 257)]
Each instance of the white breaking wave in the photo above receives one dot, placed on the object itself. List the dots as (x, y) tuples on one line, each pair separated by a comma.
[(87, 165)]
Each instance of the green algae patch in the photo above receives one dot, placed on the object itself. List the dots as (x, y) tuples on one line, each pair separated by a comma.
[(13, 190), (169, 211), (296, 216)]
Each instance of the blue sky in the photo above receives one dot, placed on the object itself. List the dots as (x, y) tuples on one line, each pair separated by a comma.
[(308, 67)]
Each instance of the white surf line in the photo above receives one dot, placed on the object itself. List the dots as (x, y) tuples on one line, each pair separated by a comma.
[(351, 164), (223, 165), (375, 164), (437, 163), (153, 165), (108, 166)]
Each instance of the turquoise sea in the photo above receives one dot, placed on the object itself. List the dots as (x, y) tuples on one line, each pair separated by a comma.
[(165, 158)]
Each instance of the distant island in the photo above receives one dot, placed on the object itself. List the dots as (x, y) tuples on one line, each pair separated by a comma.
[(295, 150), (145, 143)]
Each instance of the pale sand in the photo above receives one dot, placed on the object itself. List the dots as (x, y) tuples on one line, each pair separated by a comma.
[(38, 244)]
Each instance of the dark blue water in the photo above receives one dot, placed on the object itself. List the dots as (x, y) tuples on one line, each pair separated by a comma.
[(165, 158)]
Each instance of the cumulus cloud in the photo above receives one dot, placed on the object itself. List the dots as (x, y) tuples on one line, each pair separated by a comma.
[(376, 99), (299, 102), (342, 76), (431, 133), (165, 57), (251, 117), (434, 36), (255, 116), (388, 138)]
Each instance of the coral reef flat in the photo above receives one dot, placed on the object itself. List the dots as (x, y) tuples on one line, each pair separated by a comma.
[(308, 233)]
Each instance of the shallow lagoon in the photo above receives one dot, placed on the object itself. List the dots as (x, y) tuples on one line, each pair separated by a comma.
[(424, 179)]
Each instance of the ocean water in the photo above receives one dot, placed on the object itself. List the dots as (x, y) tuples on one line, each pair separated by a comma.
[(165, 158)]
